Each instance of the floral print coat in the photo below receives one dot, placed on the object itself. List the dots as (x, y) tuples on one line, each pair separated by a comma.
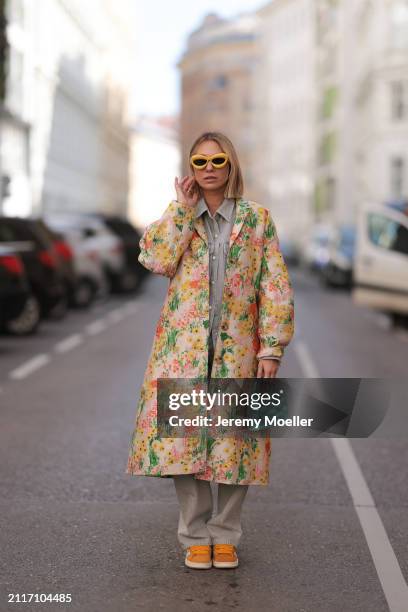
[(257, 319)]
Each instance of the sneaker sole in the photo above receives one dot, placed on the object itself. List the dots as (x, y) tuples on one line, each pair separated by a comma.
[(198, 565), (225, 564)]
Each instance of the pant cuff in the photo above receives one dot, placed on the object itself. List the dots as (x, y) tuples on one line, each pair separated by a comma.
[(186, 545), (225, 541)]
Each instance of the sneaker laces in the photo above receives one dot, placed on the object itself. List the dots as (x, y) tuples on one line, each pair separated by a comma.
[(198, 549), (224, 548)]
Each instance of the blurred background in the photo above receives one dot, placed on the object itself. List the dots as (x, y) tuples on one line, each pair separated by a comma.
[(99, 104)]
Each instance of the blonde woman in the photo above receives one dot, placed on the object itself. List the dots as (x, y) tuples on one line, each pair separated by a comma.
[(228, 313)]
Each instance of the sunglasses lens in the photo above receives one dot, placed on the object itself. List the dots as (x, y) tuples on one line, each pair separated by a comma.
[(200, 162), (218, 161)]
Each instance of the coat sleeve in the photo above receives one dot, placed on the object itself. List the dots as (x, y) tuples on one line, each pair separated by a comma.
[(164, 241), (275, 297)]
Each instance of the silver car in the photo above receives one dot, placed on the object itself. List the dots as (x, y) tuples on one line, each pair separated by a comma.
[(100, 253)]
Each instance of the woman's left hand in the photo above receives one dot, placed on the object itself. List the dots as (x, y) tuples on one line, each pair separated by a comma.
[(267, 368)]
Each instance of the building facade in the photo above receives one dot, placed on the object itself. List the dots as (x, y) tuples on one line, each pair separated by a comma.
[(381, 98), (217, 71), (362, 122), (284, 117), (65, 128)]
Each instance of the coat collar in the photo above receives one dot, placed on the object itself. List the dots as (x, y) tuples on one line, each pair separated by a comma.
[(243, 208)]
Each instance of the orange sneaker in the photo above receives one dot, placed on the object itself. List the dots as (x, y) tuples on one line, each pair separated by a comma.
[(225, 555), (199, 556)]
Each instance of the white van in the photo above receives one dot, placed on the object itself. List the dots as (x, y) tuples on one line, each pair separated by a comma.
[(380, 268)]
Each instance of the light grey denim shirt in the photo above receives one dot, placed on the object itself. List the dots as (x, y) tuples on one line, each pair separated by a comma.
[(218, 227)]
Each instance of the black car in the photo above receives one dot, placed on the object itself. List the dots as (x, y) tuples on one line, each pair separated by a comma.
[(14, 287), (64, 256), (134, 272), (41, 263)]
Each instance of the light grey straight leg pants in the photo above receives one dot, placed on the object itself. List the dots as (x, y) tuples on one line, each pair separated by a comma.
[(197, 525)]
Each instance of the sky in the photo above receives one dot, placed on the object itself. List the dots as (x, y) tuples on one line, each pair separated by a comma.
[(162, 30)]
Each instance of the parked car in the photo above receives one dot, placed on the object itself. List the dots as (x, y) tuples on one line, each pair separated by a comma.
[(40, 260), (315, 252), (400, 205), (64, 257), (14, 287), (90, 277), (130, 236), (101, 239), (381, 260), (290, 251), (338, 270)]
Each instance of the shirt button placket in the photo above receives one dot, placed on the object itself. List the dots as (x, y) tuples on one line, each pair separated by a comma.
[(211, 309), (216, 228)]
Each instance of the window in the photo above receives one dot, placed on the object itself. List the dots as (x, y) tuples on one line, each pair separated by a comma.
[(15, 12), (218, 82), (399, 24), (397, 177), (328, 147), (329, 102), (324, 196), (15, 81), (387, 233), (398, 100)]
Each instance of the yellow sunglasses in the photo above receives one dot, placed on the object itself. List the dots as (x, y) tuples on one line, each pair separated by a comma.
[(218, 160)]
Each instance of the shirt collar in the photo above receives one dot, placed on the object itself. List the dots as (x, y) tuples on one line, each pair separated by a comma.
[(225, 209)]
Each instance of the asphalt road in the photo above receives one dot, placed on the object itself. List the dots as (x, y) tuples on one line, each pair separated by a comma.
[(329, 534)]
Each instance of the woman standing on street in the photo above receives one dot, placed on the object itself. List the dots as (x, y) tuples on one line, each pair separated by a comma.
[(228, 313)]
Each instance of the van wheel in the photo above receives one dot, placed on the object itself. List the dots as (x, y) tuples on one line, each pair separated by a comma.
[(27, 321), (399, 320)]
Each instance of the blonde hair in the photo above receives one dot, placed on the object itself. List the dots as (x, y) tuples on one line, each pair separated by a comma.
[(235, 184)]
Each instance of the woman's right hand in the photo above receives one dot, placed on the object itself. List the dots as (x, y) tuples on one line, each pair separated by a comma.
[(187, 190)]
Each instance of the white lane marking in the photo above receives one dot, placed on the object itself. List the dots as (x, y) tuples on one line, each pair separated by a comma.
[(68, 343), (131, 307), (306, 361), (388, 569), (385, 561), (116, 315), (72, 341), (96, 327), (30, 366)]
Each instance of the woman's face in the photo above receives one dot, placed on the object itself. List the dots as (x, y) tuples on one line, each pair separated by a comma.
[(210, 178)]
